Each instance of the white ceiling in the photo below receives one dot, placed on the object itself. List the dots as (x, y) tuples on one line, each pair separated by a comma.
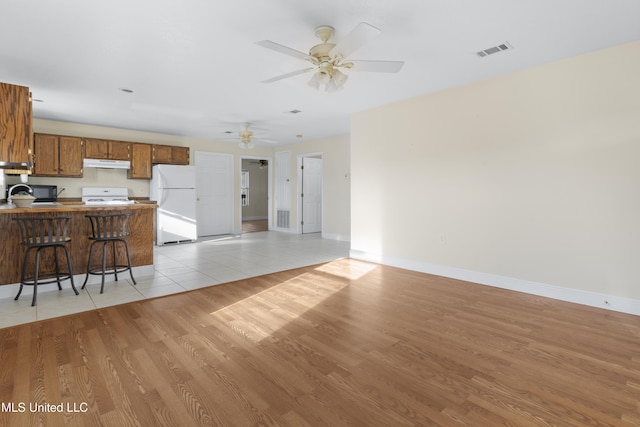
[(196, 70)]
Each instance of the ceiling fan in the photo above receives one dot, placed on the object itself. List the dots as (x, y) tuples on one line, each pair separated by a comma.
[(261, 163), (328, 58), (247, 138)]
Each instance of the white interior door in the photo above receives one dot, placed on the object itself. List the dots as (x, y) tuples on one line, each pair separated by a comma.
[(311, 195), (214, 191)]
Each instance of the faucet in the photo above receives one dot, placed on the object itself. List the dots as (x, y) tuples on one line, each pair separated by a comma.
[(10, 194)]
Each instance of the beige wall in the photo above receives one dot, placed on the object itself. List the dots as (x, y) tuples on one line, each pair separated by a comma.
[(335, 152), (529, 179), (118, 178), (336, 183)]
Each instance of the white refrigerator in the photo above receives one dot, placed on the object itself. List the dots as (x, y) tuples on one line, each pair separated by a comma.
[(173, 187)]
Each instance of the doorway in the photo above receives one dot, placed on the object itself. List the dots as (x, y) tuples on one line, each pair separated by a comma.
[(255, 194), (310, 179)]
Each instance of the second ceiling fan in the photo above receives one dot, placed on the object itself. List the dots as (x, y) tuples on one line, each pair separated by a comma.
[(328, 58), (247, 138)]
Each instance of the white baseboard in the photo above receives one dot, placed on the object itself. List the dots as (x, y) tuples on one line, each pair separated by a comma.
[(285, 230), (10, 291), (338, 237), (592, 299)]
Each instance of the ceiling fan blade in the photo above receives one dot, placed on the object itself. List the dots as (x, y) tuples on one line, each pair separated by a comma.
[(360, 35), (283, 49), (378, 66), (285, 76)]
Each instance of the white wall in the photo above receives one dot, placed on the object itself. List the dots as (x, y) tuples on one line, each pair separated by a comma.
[(529, 181)]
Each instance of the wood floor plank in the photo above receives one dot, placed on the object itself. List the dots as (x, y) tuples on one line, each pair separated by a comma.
[(343, 343)]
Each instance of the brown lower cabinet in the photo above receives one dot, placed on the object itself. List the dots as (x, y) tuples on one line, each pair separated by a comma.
[(56, 155), (12, 253)]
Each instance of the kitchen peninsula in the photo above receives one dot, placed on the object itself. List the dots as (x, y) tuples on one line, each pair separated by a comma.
[(12, 252)]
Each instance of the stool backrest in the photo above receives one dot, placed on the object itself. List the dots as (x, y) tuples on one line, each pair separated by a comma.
[(110, 226), (43, 230)]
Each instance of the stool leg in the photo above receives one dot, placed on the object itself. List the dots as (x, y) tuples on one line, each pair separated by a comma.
[(35, 278), (104, 264), (73, 286), (23, 272), (126, 249), (88, 265), (115, 259), (19, 292), (55, 260)]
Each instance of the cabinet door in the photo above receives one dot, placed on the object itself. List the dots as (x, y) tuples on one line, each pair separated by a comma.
[(46, 155), (140, 161), (97, 148), (119, 150), (71, 155), (180, 155), (15, 123), (161, 153)]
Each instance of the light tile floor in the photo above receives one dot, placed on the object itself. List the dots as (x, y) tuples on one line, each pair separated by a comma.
[(179, 268)]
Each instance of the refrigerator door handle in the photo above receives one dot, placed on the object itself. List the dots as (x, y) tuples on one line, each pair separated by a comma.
[(160, 196), (161, 181)]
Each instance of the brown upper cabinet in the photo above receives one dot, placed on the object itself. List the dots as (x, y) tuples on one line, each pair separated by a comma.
[(140, 161), (16, 132), (180, 155), (56, 155), (170, 154), (104, 149)]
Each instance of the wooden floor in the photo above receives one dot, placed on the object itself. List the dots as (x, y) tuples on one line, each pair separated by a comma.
[(254, 225), (345, 343)]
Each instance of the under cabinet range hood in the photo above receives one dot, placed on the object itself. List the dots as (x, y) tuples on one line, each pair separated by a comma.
[(106, 164)]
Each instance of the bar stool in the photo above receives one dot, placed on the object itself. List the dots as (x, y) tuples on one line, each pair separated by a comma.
[(39, 233), (105, 229)]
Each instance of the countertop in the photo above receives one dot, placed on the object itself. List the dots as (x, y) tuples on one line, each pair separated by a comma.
[(73, 207)]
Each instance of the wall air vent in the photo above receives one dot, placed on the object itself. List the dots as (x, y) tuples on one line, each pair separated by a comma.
[(495, 49), (282, 218)]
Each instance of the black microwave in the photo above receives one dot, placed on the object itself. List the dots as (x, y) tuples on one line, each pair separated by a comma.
[(42, 193), (45, 193)]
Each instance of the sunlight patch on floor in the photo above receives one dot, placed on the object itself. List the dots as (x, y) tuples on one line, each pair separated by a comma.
[(295, 297), (351, 270)]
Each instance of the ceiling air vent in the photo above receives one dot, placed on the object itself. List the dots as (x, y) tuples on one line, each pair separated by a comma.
[(494, 49)]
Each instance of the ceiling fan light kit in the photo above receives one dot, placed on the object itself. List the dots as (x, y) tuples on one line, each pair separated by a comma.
[(247, 137), (327, 58)]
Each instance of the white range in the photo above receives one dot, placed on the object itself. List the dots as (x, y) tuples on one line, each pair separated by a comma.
[(106, 196)]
